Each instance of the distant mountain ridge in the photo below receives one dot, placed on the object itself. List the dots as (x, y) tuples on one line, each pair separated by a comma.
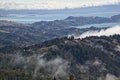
[(68, 22), (77, 21)]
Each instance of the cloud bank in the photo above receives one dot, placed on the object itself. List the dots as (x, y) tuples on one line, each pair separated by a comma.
[(104, 32), (53, 4)]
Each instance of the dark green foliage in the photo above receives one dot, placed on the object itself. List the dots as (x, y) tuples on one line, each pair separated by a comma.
[(78, 52)]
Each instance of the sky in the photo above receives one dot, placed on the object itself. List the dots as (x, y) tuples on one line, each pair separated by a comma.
[(52, 4)]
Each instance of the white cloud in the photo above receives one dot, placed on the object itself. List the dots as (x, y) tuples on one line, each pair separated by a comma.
[(104, 32), (53, 4)]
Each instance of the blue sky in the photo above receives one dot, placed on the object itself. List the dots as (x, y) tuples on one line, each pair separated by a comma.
[(52, 4)]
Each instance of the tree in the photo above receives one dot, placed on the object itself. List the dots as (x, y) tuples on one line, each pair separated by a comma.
[(72, 77), (54, 78)]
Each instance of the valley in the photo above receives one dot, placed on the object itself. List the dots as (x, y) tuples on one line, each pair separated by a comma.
[(59, 40)]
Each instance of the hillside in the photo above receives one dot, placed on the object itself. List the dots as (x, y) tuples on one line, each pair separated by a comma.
[(29, 34), (92, 58)]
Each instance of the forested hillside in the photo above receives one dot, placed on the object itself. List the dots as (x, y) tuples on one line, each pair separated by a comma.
[(92, 58)]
